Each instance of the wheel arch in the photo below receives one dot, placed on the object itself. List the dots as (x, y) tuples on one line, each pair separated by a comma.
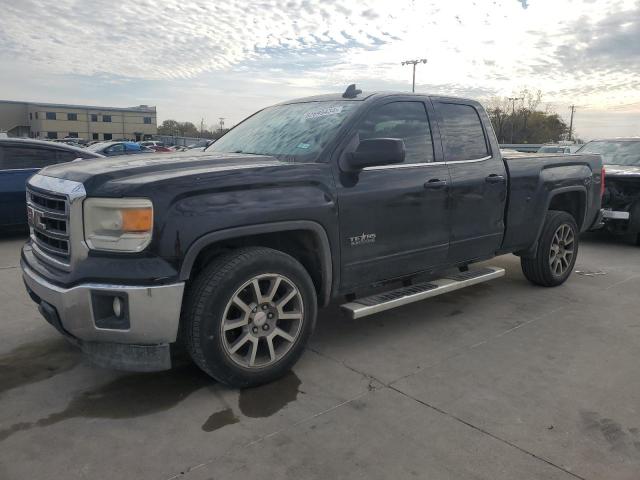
[(572, 199), (304, 240)]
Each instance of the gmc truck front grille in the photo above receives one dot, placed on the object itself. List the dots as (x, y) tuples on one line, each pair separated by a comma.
[(49, 221)]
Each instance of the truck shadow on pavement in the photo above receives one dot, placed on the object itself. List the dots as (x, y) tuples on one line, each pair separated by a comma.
[(131, 395)]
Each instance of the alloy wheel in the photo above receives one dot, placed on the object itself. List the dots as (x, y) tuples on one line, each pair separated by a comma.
[(262, 321), (562, 250)]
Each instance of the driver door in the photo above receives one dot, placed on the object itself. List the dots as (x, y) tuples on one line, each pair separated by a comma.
[(394, 219)]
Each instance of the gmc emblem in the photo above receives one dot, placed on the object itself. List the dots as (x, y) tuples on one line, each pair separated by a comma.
[(34, 218)]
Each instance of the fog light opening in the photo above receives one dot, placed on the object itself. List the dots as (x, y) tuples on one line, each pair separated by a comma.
[(117, 307)]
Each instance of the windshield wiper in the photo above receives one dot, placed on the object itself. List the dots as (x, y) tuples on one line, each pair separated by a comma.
[(247, 153)]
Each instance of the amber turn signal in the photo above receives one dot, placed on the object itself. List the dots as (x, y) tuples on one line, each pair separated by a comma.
[(137, 219)]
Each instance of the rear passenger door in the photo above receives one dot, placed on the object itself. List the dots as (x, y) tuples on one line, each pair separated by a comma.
[(478, 181), (17, 164)]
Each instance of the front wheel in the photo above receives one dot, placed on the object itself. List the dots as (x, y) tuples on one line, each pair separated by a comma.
[(248, 316), (556, 252)]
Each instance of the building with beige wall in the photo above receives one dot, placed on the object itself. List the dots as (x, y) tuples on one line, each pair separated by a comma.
[(56, 120)]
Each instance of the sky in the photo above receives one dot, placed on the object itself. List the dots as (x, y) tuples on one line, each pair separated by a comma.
[(206, 59)]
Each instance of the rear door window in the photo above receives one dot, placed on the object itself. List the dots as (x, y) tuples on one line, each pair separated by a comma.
[(405, 120), (461, 128), (115, 149), (64, 156), (17, 157)]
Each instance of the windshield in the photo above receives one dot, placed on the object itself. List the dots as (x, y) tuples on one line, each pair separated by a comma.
[(615, 152), (96, 147), (297, 132)]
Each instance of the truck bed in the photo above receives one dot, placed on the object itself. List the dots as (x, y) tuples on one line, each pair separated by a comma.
[(532, 178)]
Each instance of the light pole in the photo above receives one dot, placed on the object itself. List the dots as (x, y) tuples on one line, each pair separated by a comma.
[(513, 113), (414, 63), (573, 110)]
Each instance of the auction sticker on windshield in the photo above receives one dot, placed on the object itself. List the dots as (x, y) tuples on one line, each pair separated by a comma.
[(323, 112)]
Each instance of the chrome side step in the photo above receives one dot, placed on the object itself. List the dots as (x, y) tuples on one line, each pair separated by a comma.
[(402, 296)]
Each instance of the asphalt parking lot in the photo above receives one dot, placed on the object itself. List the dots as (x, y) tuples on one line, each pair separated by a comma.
[(498, 381)]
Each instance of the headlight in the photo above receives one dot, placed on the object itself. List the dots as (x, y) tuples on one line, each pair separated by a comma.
[(118, 224)]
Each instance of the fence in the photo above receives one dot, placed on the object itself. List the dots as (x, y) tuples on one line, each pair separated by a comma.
[(179, 141)]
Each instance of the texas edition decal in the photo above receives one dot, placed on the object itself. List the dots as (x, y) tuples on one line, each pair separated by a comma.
[(363, 239)]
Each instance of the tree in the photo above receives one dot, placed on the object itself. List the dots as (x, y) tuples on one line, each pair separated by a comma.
[(530, 124), (188, 129), (178, 129)]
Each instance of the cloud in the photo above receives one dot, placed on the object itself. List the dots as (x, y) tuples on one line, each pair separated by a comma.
[(239, 55), (610, 44)]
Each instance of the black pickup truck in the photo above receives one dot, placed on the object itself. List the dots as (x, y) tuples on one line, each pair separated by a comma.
[(230, 251)]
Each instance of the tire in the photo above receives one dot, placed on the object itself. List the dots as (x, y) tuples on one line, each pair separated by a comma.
[(553, 250), (234, 336)]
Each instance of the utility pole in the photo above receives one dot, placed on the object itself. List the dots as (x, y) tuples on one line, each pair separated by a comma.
[(221, 124), (414, 63), (201, 126), (573, 109), (513, 113)]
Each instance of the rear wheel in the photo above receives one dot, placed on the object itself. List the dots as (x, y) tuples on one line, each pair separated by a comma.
[(556, 252), (248, 316)]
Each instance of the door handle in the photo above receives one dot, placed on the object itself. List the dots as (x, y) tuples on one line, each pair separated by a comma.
[(435, 183), (494, 178)]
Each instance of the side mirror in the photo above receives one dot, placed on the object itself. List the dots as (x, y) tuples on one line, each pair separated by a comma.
[(375, 152)]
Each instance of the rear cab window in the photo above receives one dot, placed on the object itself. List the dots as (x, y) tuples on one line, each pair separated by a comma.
[(463, 137)]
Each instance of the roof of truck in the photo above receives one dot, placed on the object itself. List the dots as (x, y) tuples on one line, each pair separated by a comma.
[(364, 96)]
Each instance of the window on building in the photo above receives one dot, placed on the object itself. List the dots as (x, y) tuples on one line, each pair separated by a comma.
[(36, 115), (405, 120), (95, 136), (51, 115), (52, 135), (106, 118), (94, 117), (72, 116), (30, 116), (72, 135), (147, 119), (108, 136), (27, 157)]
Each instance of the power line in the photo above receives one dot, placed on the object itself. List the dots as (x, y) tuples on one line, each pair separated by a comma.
[(414, 63)]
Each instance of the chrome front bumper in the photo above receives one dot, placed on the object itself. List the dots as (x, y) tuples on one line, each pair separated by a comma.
[(154, 312)]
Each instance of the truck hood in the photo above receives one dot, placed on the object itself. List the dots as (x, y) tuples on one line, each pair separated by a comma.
[(144, 168), (625, 171)]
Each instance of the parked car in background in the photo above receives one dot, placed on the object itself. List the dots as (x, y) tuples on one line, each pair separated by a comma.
[(554, 149), (621, 196), (112, 149), (73, 141), (201, 145), (161, 149), (19, 159), (152, 143)]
